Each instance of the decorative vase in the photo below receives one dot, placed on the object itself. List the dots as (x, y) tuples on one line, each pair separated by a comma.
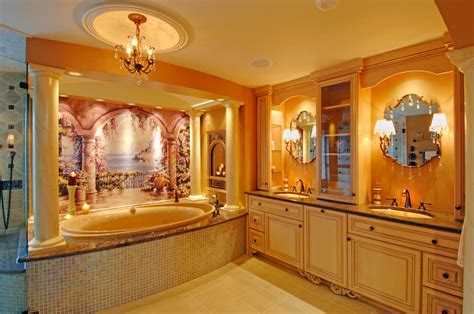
[(81, 193), (160, 183), (71, 189)]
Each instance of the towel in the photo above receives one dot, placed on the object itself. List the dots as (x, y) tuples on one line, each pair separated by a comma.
[(460, 260)]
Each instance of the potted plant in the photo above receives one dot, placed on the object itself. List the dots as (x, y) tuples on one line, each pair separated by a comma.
[(81, 190)]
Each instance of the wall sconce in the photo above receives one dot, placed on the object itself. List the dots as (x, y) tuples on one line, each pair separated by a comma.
[(384, 129), (438, 127), (291, 135)]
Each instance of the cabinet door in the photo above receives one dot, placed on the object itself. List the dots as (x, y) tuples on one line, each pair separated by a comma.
[(337, 103), (326, 244), (387, 273), (263, 143), (284, 239)]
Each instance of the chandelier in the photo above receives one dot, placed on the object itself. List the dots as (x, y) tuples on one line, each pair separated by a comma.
[(136, 58)]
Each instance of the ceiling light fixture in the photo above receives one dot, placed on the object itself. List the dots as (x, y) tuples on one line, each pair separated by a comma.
[(98, 99), (74, 73), (325, 5), (63, 95), (261, 63), (220, 99), (136, 58), (158, 107), (131, 104)]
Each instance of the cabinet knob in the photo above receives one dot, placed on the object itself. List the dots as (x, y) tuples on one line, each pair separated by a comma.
[(445, 275), (458, 207), (286, 209), (434, 241), (254, 220), (322, 210), (371, 228), (353, 194), (254, 241), (444, 312), (259, 204), (348, 239), (301, 226)]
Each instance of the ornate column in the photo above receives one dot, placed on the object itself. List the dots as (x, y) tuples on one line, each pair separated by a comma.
[(88, 162), (195, 143), (464, 60), (171, 143), (45, 158), (232, 154)]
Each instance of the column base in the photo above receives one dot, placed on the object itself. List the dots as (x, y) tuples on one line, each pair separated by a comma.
[(35, 246), (231, 210), (91, 192)]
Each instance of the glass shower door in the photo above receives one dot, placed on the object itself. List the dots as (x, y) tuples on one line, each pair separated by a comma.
[(13, 218)]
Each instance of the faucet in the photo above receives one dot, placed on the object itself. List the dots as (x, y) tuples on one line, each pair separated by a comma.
[(302, 186), (406, 195)]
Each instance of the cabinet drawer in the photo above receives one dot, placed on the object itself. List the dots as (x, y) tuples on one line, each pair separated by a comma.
[(435, 302), (256, 220), (442, 273), (431, 240), (256, 240), (282, 208)]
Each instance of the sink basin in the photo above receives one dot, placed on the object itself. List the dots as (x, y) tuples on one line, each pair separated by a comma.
[(292, 195), (401, 212)]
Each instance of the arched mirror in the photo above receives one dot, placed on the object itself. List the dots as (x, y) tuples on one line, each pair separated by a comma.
[(410, 132), (300, 137)]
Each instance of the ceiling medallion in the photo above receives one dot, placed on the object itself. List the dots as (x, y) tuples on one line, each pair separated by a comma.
[(110, 24), (137, 58)]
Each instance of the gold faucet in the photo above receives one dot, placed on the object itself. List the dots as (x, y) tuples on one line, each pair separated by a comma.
[(302, 186), (406, 195)]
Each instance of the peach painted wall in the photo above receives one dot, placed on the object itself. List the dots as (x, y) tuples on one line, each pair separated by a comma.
[(434, 181), (291, 168)]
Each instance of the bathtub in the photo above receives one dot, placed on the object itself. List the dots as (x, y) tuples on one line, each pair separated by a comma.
[(137, 219)]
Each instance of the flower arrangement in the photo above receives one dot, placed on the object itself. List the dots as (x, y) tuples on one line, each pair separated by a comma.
[(82, 178)]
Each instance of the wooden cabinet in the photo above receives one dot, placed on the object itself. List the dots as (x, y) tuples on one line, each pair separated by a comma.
[(326, 244), (341, 153), (435, 302), (442, 273), (387, 273), (284, 239), (263, 143)]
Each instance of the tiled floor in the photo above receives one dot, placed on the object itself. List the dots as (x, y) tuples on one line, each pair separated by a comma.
[(248, 285)]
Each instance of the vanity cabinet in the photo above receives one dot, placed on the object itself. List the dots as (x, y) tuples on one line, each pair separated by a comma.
[(284, 239), (387, 273), (276, 229), (326, 245), (341, 149)]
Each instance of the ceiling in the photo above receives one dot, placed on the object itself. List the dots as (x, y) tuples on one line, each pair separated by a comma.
[(130, 94), (226, 35)]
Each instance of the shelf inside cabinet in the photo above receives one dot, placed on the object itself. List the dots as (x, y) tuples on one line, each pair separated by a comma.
[(337, 134)]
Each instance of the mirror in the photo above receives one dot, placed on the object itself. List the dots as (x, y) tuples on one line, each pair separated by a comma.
[(300, 137), (413, 144)]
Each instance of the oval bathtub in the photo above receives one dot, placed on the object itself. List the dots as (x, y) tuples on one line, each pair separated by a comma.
[(134, 220)]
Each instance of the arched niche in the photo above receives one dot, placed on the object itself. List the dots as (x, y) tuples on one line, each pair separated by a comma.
[(217, 159)]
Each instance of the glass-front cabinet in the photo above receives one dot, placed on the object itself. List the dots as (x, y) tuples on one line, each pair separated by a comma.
[(337, 104)]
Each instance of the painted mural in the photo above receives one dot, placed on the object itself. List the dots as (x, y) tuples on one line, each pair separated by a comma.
[(132, 149)]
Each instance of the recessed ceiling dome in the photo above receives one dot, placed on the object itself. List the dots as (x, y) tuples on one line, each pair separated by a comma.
[(109, 23)]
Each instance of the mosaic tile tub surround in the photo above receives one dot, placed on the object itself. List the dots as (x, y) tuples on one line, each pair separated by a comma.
[(99, 280)]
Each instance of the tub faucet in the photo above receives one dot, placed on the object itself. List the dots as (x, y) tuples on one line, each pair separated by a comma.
[(406, 195), (176, 197), (301, 187)]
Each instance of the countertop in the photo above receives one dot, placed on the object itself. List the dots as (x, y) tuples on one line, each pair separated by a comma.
[(442, 220)]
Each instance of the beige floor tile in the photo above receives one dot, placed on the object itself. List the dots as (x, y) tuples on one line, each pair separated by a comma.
[(248, 285)]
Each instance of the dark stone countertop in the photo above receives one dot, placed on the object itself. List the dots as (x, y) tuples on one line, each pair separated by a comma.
[(442, 220)]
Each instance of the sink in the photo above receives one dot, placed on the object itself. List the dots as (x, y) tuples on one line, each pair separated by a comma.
[(292, 195), (401, 212)]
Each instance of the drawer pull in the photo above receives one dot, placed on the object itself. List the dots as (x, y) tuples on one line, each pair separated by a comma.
[(322, 210), (259, 204), (255, 220), (348, 239), (434, 241), (371, 228), (445, 275), (301, 226), (286, 209), (254, 240), (444, 312)]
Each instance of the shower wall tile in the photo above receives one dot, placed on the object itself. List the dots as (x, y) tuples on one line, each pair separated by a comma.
[(90, 282)]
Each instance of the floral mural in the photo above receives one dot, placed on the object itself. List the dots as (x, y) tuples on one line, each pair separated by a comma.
[(131, 149)]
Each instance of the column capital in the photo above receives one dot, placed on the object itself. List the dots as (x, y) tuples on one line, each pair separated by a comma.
[(37, 70), (462, 58), (194, 113), (233, 104)]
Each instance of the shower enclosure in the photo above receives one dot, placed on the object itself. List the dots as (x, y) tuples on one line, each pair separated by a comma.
[(13, 204)]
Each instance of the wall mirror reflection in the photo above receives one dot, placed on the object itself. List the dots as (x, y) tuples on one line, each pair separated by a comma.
[(412, 131), (300, 137)]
